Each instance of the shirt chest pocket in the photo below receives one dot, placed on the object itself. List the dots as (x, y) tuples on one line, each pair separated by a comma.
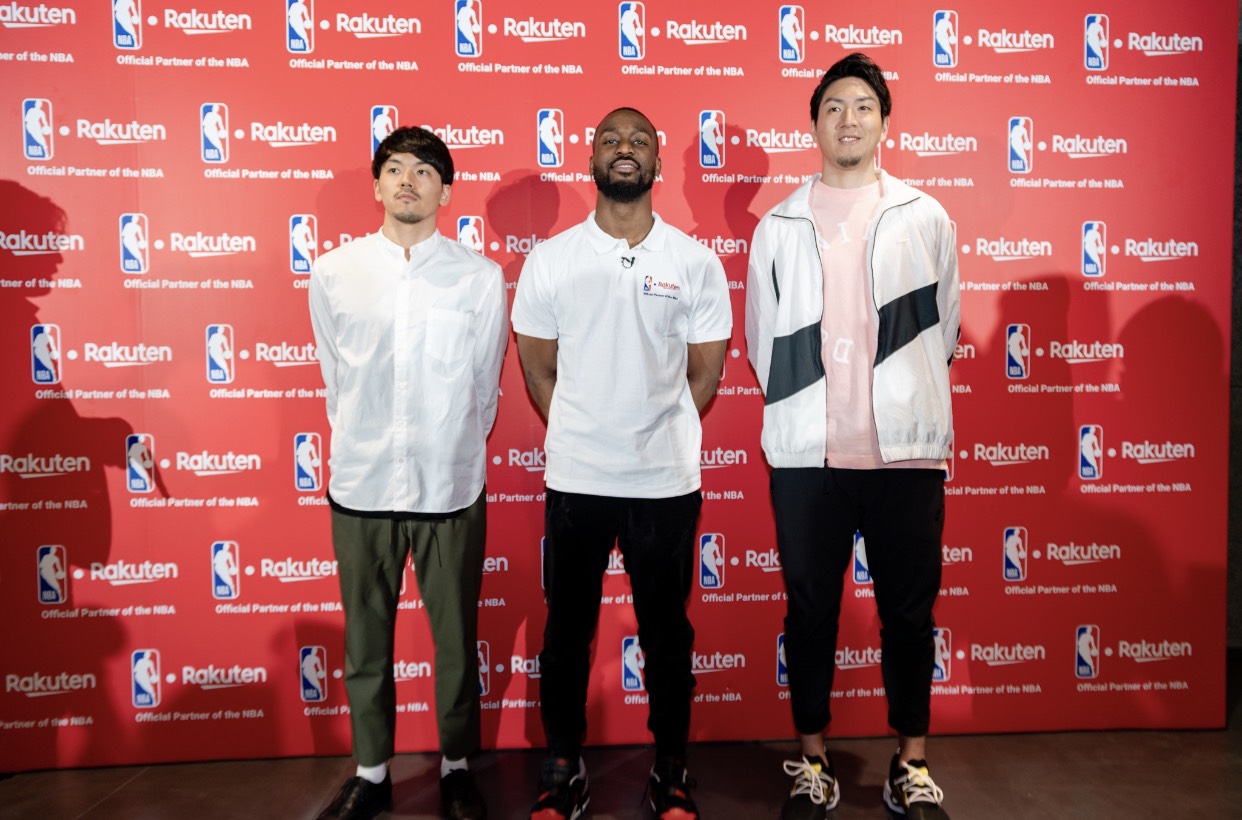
[(448, 338)]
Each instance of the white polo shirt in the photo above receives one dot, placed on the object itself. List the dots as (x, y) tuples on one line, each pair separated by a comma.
[(622, 420), (410, 352)]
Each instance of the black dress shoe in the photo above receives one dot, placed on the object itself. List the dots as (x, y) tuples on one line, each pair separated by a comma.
[(460, 798), (360, 799)]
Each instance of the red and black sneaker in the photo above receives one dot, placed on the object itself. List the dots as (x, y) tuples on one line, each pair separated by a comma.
[(670, 792), (563, 792)]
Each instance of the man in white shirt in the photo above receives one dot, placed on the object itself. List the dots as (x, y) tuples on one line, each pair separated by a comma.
[(411, 330), (622, 323)]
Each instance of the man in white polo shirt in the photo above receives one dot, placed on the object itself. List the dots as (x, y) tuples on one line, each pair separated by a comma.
[(622, 323), (411, 332)]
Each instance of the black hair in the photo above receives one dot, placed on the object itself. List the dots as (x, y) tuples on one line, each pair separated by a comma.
[(421, 143), (856, 65)]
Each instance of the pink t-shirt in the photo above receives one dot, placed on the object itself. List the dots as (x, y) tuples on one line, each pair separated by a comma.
[(850, 327)]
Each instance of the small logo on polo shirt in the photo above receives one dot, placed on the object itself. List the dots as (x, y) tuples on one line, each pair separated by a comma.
[(656, 287)]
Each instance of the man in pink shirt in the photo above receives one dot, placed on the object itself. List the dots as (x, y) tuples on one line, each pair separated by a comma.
[(852, 319)]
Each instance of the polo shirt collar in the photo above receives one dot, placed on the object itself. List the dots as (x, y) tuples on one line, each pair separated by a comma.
[(603, 243)]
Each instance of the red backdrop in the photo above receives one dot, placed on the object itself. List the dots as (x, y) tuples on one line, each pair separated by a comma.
[(166, 181)]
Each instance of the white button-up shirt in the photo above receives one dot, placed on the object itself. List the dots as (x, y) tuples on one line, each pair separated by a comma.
[(411, 352)]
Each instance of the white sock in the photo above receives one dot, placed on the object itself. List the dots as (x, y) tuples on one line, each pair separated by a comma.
[(375, 774), (447, 765)]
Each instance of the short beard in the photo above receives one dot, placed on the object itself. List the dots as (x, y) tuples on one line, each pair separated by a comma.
[(407, 218), (849, 162), (623, 192)]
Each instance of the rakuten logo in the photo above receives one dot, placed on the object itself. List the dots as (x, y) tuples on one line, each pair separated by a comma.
[(1163, 45), (208, 464), (721, 457), (1012, 250), (768, 561), (123, 573), (114, 354), (202, 22), (108, 132), (284, 354), (1004, 455), (532, 461), (409, 670), (937, 145), (36, 244), (1010, 42), (779, 142), (199, 245), (215, 677), (531, 30), (717, 662), (848, 657), (852, 37), (1150, 452), (1161, 250), (1072, 554), (998, 655), (1080, 147), (39, 684), (32, 466), (1076, 352), (1149, 651), (280, 135), (364, 26), (473, 137), (695, 33), (291, 570)]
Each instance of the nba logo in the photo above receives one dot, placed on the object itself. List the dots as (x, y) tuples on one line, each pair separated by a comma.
[(1095, 42), (943, 641), (1021, 138), (782, 670), (1018, 351), (485, 668), (50, 563), (711, 139), (711, 560), (302, 242), (1013, 549), (470, 232), (213, 122), (632, 26), (632, 663), (944, 38), (225, 578), (219, 354), (306, 462), (37, 128), (140, 462), (469, 29), (133, 236), (299, 26), (45, 354), (862, 572), (313, 669), (1090, 452), (144, 673), (549, 124), (127, 24), (1094, 242), (384, 120), (791, 34), (1087, 651)]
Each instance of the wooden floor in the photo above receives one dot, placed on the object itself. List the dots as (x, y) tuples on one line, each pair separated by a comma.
[(1095, 775)]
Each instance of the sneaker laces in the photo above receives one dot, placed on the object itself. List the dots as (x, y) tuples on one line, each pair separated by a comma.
[(809, 779), (917, 786)]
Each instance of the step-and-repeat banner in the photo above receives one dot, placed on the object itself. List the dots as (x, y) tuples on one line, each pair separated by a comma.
[(169, 171)]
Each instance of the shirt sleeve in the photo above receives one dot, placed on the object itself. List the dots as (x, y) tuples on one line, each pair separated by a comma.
[(533, 308), (712, 319), (491, 339), (325, 337)]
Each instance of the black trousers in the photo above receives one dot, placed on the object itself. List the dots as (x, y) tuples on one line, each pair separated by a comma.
[(656, 538), (900, 514)]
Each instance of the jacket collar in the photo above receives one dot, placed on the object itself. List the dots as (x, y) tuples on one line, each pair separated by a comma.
[(798, 204)]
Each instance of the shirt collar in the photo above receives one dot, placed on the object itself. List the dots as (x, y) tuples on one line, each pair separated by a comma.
[(602, 242), (418, 253)]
